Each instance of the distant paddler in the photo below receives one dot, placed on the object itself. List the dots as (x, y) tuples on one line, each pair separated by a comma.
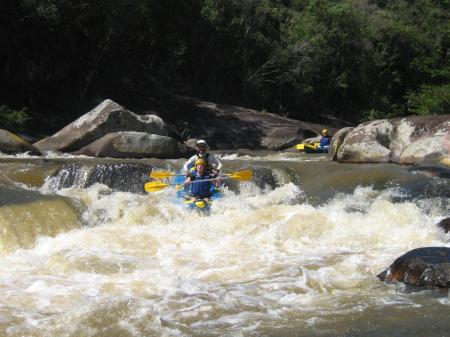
[(325, 141), (212, 164)]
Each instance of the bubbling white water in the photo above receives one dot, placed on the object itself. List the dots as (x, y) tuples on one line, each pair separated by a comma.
[(143, 265)]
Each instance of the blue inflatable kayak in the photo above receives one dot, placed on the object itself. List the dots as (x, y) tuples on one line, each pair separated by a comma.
[(183, 197)]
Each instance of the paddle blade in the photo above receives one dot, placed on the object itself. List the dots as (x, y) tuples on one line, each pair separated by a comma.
[(241, 175), (160, 174), (154, 186), (300, 147)]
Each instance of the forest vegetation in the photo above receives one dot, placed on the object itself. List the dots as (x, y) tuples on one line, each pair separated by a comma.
[(354, 60)]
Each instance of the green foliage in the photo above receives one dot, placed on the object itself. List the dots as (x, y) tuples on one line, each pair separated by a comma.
[(355, 59), (13, 120), (431, 100)]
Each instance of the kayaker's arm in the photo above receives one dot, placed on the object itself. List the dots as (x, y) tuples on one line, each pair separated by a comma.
[(189, 179), (190, 162), (216, 163)]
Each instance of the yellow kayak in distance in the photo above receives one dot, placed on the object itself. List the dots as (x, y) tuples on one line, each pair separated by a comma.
[(311, 148)]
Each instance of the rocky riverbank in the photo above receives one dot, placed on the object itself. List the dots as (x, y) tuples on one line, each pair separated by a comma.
[(110, 130)]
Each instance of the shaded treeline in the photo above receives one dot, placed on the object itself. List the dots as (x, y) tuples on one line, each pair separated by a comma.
[(352, 59)]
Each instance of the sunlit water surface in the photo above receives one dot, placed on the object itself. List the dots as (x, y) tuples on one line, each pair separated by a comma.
[(266, 261)]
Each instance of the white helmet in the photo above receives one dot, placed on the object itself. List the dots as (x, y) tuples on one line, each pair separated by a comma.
[(201, 142)]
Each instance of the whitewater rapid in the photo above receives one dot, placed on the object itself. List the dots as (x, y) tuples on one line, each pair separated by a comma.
[(264, 262)]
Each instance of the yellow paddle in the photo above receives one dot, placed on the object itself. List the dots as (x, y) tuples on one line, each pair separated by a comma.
[(244, 175), (155, 186), (163, 174), (238, 175)]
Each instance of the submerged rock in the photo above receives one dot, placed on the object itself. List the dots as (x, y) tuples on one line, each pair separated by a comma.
[(12, 144), (429, 266), (107, 117), (125, 177), (445, 224), (136, 145)]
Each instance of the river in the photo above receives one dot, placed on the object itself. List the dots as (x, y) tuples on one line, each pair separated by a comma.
[(294, 252)]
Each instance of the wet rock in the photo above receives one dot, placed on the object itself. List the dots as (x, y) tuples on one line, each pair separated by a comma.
[(429, 266), (432, 168), (337, 141), (125, 177), (425, 139), (136, 145), (407, 140), (367, 143), (12, 144), (107, 117), (445, 224)]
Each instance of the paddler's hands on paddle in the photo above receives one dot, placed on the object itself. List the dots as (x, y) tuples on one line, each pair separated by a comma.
[(187, 182), (154, 186), (216, 174)]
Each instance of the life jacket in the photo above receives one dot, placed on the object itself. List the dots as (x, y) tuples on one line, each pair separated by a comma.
[(325, 141), (200, 189)]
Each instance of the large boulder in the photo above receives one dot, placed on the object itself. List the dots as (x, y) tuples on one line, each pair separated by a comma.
[(232, 127), (366, 143), (12, 144), (402, 140), (425, 138), (136, 145), (337, 141), (429, 266), (107, 117)]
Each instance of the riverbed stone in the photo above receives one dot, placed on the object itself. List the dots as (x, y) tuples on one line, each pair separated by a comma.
[(428, 266), (367, 143), (13, 144), (136, 145), (427, 137), (107, 117), (408, 140), (337, 141)]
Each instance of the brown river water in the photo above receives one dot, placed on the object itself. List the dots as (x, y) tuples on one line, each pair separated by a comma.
[(84, 251)]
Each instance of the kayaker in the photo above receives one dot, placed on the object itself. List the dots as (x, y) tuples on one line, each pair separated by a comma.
[(202, 188), (213, 165), (325, 140)]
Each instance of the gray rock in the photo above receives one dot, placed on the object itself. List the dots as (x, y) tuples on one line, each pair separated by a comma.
[(408, 140), (427, 137), (429, 266), (12, 144), (135, 145), (106, 118), (337, 141), (367, 143)]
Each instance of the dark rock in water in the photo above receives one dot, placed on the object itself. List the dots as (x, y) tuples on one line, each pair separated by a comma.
[(433, 168), (445, 224), (233, 127), (428, 266), (106, 118), (126, 177), (136, 145), (12, 144)]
